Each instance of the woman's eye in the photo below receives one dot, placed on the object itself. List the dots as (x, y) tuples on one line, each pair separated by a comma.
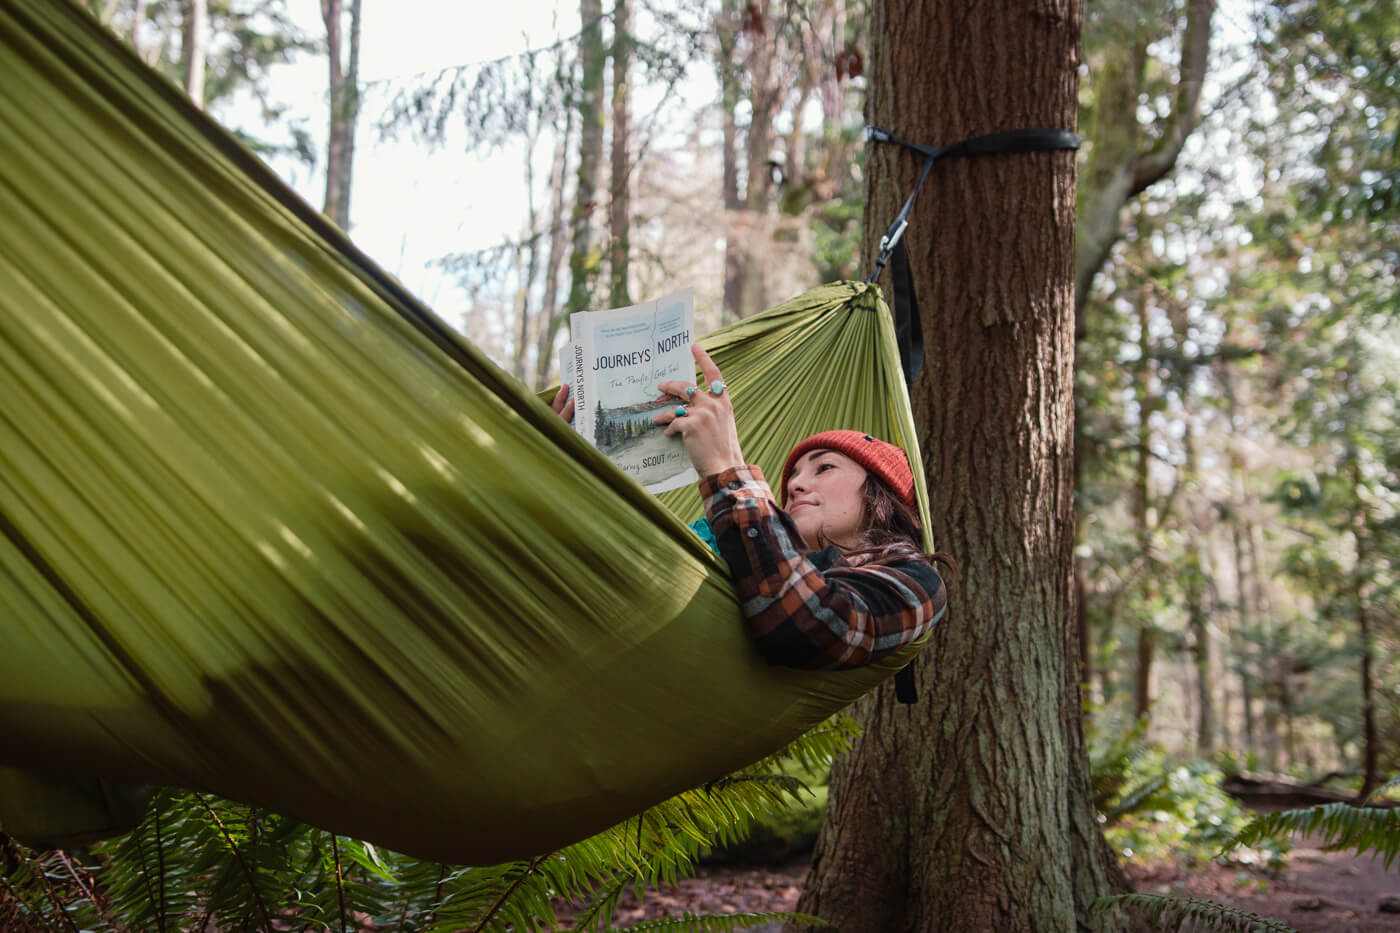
[(822, 468)]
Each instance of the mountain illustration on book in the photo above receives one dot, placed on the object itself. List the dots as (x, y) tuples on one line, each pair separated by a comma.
[(618, 357)]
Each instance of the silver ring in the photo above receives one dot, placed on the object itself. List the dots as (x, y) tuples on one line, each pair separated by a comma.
[(690, 391), (680, 411), (717, 387)]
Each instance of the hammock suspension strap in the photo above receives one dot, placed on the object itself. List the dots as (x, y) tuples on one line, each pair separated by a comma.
[(907, 326)]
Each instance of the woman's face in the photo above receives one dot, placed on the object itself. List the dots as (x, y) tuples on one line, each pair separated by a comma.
[(824, 498)]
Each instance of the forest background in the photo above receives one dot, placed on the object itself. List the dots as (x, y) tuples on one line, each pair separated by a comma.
[(1236, 315)]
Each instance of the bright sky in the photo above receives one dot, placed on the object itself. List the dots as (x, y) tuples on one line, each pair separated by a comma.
[(410, 205)]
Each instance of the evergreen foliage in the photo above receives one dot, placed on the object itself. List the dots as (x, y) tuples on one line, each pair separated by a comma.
[(1341, 826), (197, 860)]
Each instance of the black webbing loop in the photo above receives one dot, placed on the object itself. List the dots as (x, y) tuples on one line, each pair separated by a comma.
[(908, 328), (1033, 140)]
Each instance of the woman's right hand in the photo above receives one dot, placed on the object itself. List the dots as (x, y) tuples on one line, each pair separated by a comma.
[(563, 403)]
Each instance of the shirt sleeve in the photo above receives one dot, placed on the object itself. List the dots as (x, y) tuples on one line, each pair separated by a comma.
[(813, 609)]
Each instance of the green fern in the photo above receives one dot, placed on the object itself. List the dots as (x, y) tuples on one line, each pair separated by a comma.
[(1170, 913), (1341, 826), (1391, 785), (197, 860)]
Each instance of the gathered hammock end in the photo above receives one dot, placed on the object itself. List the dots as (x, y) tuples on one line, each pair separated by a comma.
[(269, 529)]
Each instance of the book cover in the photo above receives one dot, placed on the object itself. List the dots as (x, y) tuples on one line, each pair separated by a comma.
[(617, 358)]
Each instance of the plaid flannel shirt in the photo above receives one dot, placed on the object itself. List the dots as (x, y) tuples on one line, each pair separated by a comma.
[(813, 609)]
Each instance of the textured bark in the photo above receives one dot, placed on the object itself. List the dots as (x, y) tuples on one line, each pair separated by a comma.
[(970, 810), (619, 210), (344, 107)]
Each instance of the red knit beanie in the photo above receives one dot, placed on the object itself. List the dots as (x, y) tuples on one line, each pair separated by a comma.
[(884, 460)]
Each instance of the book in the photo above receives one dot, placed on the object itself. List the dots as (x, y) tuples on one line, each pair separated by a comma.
[(615, 359)]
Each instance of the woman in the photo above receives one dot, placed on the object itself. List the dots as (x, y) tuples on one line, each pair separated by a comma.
[(838, 579)]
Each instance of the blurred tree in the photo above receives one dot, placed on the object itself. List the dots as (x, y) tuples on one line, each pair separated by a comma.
[(343, 57)]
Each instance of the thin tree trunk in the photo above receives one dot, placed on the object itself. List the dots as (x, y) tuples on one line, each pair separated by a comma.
[(942, 817), (584, 256), (619, 208), (344, 108), (552, 317), (1268, 717), (1239, 645), (194, 29), (1146, 399), (1370, 769), (1194, 571), (527, 265)]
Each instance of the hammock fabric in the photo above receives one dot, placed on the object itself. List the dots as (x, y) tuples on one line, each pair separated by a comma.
[(269, 529)]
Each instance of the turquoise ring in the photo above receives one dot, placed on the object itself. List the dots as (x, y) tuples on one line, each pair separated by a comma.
[(680, 411), (717, 387), (689, 391)]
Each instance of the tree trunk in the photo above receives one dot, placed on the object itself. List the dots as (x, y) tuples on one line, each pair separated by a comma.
[(194, 29), (344, 108), (551, 316), (1239, 644), (970, 810), (619, 210), (1370, 769), (1146, 400), (527, 264), (584, 255)]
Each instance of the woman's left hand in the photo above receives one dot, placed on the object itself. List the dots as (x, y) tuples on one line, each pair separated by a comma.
[(707, 425)]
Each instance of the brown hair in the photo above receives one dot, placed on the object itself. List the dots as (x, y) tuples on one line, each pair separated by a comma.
[(892, 531)]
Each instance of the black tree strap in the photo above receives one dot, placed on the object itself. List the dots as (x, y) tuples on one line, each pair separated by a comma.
[(907, 326)]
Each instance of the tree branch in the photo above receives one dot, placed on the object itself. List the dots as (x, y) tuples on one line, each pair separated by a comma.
[(1151, 166)]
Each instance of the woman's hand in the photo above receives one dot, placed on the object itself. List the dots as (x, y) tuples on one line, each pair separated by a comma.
[(563, 403), (708, 423)]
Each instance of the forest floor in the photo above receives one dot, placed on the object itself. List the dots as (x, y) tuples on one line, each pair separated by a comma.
[(1318, 891)]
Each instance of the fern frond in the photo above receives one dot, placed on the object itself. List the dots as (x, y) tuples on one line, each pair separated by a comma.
[(720, 923), (1341, 826), (1169, 913), (815, 748), (1135, 799), (1386, 788)]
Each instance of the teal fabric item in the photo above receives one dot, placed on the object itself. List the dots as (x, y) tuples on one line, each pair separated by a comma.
[(701, 526)]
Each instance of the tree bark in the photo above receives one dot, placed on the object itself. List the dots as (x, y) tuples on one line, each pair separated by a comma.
[(344, 108), (194, 29), (585, 256), (971, 810), (619, 209)]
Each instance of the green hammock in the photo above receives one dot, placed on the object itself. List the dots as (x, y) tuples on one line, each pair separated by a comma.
[(271, 530)]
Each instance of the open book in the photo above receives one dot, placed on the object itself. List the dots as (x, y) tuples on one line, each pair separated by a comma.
[(615, 360)]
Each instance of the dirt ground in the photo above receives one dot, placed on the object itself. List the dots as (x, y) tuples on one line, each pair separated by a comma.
[(1319, 892)]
